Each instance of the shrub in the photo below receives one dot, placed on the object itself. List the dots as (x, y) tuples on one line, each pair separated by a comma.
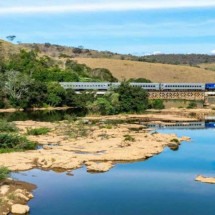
[(192, 105), (4, 173), (7, 126), (174, 140), (131, 99), (156, 104), (129, 138), (38, 131), (14, 142)]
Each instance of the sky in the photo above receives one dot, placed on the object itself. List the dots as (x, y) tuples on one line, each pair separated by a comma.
[(138, 27)]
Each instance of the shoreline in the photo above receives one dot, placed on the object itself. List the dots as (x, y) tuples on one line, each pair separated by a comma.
[(13, 110), (92, 142), (14, 196), (99, 147)]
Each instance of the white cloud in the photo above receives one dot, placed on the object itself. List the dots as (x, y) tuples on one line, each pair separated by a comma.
[(213, 52), (94, 6), (157, 52)]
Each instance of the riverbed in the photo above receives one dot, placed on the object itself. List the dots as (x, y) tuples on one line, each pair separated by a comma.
[(163, 184)]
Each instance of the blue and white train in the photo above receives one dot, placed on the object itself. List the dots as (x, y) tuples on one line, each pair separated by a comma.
[(101, 86)]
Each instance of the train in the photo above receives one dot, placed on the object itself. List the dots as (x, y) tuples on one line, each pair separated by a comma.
[(100, 86)]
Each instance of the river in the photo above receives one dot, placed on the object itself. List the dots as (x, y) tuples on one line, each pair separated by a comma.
[(161, 185)]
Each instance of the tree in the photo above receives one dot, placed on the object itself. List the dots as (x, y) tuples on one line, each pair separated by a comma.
[(84, 99), (139, 80), (56, 94), (103, 75), (16, 85), (101, 106), (11, 37), (36, 96), (70, 98), (132, 99)]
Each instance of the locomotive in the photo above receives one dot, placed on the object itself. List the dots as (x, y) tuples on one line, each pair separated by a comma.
[(147, 86)]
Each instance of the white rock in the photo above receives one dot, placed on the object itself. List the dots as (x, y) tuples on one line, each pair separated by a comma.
[(22, 196), (20, 209), (4, 189)]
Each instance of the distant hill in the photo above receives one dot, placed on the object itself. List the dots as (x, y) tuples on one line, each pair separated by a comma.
[(125, 69), (179, 59), (156, 68), (58, 51)]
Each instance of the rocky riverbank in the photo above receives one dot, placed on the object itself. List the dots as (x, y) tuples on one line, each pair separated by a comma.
[(70, 145), (14, 196), (98, 144)]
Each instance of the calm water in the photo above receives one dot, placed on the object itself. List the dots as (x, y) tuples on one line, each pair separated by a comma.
[(161, 185), (46, 116)]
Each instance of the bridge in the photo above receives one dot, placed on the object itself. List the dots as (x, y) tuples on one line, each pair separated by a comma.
[(185, 95)]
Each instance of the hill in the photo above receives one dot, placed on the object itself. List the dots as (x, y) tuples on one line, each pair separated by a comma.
[(125, 69), (126, 66), (7, 48), (179, 59)]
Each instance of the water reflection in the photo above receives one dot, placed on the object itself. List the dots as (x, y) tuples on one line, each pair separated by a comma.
[(43, 116)]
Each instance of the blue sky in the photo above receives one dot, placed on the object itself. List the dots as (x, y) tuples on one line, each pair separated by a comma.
[(137, 26)]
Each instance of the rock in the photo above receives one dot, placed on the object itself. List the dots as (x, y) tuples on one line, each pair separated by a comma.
[(30, 196), (205, 179), (20, 209), (184, 138), (22, 196), (4, 189), (98, 167)]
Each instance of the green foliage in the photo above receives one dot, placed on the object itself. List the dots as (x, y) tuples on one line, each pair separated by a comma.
[(15, 142), (191, 105), (4, 173), (129, 138), (102, 106), (77, 130), (84, 99), (15, 86), (139, 80), (7, 126), (38, 131), (156, 104), (37, 95), (103, 75), (56, 94), (105, 105), (132, 99), (70, 98)]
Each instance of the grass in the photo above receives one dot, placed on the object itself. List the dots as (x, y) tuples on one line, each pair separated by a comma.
[(129, 138), (15, 142), (7, 126), (4, 173), (38, 131), (78, 129), (192, 105), (153, 71)]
